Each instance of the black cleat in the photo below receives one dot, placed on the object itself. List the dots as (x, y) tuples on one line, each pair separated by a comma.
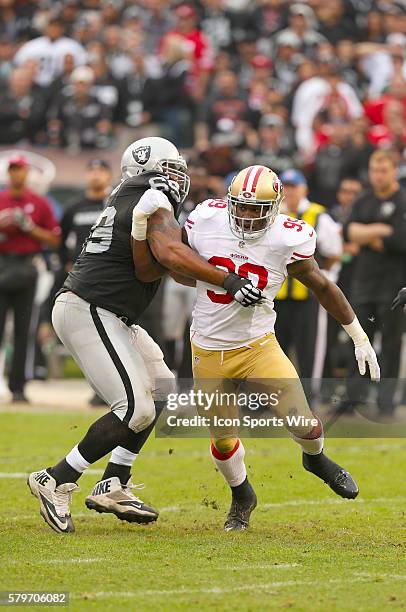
[(239, 515), (334, 475)]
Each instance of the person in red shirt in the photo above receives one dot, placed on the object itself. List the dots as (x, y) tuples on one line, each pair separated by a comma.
[(27, 224), (201, 50)]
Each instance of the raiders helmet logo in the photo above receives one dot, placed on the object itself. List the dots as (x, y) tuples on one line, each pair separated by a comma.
[(141, 155)]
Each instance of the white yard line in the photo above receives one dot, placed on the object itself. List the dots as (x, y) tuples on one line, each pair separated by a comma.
[(292, 502), (247, 587)]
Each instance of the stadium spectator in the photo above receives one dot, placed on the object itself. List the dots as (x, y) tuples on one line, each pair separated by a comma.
[(27, 224), (49, 51), (7, 51), (158, 19), (78, 119), (23, 108), (225, 115), (302, 23), (176, 104), (270, 146), (378, 225), (201, 51)]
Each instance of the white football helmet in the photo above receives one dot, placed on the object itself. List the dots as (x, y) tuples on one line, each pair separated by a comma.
[(154, 154)]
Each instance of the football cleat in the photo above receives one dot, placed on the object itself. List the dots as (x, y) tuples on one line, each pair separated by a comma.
[(239, 515), (338, 479), (54, 500), (110, 495)]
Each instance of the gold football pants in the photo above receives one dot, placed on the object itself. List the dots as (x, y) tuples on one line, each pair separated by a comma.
[(264, 368)]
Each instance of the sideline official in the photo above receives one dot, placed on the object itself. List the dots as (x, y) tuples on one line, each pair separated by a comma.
[(27, 224)]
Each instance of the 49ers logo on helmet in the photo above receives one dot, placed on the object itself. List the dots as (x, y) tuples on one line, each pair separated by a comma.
[(277, 185), (247, 194)]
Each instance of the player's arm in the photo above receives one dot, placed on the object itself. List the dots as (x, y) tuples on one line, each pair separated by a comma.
[(153, 219), (147, 269), (334, 301), (164, 236)]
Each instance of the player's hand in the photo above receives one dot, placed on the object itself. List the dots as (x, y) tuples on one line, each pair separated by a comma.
[(365, 354), (400, 299), (242, 290), (168, 186), (23, 221)]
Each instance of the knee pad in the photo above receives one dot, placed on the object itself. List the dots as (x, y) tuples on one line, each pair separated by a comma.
[(143, 413), (225, 445)]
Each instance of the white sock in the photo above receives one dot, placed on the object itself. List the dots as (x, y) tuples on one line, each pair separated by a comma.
[(122, 456), (231, 464), (314, 441), (76, 460)]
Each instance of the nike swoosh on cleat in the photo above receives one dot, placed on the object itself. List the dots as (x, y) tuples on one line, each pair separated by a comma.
[(129, 503), (60, 522)]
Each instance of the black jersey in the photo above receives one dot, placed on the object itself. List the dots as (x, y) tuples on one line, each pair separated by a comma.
[(104, 273), (76, 223)]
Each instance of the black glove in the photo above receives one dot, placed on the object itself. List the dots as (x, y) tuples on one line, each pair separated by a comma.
[(168, 186), (400, 299), (242, 290)]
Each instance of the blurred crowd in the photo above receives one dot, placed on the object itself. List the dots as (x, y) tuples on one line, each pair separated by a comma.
[(314, 86)]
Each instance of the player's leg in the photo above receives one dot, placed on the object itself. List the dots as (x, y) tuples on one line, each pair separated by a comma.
[(269, 365), (123, 456), (101, 345), (226, 449)]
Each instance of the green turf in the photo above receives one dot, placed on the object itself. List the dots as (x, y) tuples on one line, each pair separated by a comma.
[(306, 549)]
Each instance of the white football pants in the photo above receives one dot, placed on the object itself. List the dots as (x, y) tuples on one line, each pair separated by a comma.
[(123, 364)]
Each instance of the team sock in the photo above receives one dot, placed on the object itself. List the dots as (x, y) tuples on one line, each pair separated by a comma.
[(103, 435), (124, 456), (231, 464), (312, 443)]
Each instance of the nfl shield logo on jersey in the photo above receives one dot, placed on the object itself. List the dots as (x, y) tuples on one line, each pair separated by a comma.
[(141, 155)]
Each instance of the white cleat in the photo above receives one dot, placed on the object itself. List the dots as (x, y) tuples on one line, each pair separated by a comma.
[(54, 500), (110, 495)]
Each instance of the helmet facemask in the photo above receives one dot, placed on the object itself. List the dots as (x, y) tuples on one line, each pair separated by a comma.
[(175, 169), (250, 228)]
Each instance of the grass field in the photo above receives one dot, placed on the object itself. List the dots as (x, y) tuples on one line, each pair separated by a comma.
[(306, 549)]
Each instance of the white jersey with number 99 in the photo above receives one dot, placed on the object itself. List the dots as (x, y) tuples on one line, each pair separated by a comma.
[(219, 322)]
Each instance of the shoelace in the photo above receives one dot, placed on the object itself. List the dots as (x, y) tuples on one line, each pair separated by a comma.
[(130, 486), (62, 500)]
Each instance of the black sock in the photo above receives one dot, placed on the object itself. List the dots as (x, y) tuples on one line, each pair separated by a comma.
[(123, 472), (132, 442), (243, 491), (63, 472), (103, 435)]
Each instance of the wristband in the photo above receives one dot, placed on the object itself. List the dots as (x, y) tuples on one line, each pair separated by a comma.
[(139, 225), (356, 333)]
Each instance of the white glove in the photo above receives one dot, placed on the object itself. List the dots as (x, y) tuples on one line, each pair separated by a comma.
[(364, 352), (149, 202)]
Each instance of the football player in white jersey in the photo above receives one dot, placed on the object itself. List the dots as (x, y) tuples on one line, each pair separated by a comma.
[(245, 234)]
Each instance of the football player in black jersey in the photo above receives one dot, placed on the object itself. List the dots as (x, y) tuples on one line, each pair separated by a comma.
[(95, 315)]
